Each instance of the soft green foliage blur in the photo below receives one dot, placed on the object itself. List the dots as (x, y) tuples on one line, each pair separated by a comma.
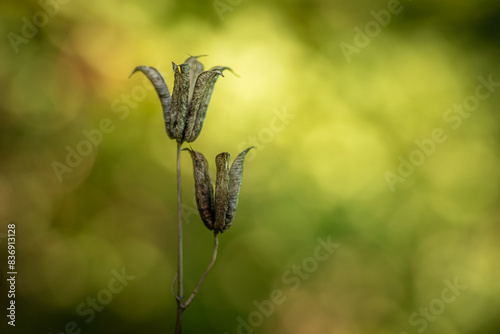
[(319, 172)]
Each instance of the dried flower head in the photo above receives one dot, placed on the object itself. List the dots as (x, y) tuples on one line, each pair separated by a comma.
[(184, 112), (217, 210)]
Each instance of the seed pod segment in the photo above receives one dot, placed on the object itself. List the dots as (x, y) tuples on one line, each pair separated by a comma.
[(235, 178), (180, 95), (161, 88), (203, 188), (199, 103), (195, 68), (221, 190)]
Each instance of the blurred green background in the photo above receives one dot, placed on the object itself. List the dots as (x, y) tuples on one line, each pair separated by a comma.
[(330, 126)]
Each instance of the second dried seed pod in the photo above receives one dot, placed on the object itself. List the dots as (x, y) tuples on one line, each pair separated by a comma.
[(218, 210)]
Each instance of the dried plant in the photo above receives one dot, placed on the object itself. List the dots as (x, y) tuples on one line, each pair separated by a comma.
[(184, 113)]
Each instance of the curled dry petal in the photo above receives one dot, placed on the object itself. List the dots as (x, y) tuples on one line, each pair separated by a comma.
[(203, 188), (179, 100), (222, 69), (199, 103), (161, 88), (235, 178), (221, 190)]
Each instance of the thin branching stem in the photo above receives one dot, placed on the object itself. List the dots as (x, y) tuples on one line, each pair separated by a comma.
[(180, 296), (173, 287), (210, 265)]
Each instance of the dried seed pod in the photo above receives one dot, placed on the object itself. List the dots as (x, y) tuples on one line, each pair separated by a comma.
[(221, 190), (195, 68), (184, 112), (161, 88), (199, 103), (180, 95), (203, 188), (235, 178), (217, 212)]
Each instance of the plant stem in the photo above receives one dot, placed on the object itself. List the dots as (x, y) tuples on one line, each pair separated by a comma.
[(180, 308), (210, 265)]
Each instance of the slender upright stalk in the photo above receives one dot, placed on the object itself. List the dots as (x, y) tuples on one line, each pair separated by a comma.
[(180, 296), (214, 256)]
